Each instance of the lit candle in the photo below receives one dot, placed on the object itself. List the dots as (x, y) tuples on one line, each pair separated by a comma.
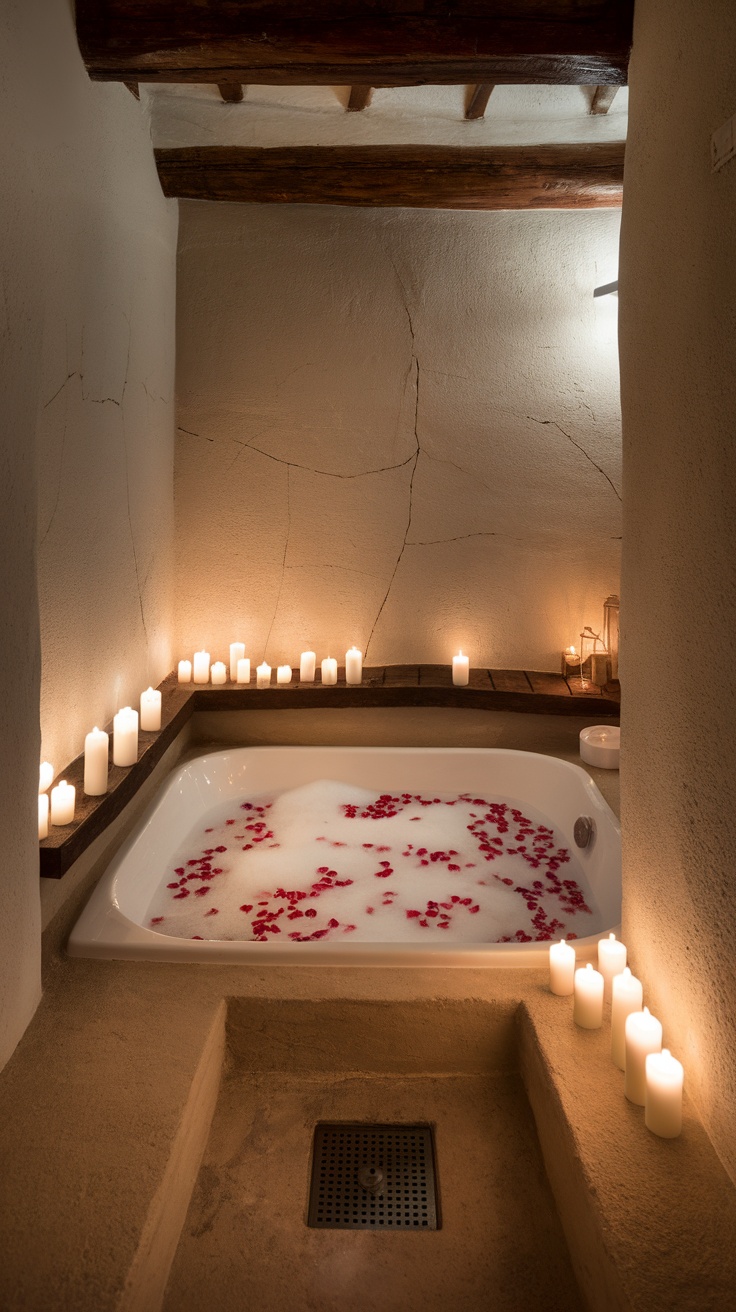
[(45, 776), (588, 1007), (96, 758), (263, 675), (219, 672), (611, 961), (570, 657), (353, 666), (43, 815), (643, 1035), (185, 672), (561, 968), (460, 670), (151, 710), (307, 667), (283, 674), (125, 737), (237, 652), (62, 803), (201, 667), (243, 670), (329, 670), (628, 996), (663, 1095)]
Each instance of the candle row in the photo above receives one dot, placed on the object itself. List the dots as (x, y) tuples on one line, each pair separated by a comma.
[(200, 670), (653, 1078)]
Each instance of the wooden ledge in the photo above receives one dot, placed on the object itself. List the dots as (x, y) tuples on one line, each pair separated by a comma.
[(393, 685)]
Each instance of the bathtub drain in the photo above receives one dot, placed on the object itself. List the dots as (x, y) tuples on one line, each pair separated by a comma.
[(373, 1177)]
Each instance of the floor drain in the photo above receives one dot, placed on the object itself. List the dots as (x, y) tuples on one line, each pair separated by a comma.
[(373, 1177)]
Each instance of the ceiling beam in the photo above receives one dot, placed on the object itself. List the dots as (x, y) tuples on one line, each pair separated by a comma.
[(603, 98), (360, 98), (478, 102), (231, 92), (387, 42), (588, 176)]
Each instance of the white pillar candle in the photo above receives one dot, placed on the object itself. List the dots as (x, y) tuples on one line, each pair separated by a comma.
[(664, 1077), (243, 670), (588, 1007), (611, 961), (237, 652), (561, 968), (627, 996), (125, 737), (353, 666), (263, 675), (219, 672), (184, 673), (460, 670), (643, 1035), (62, 803), (43, 815), (45, 776), (329, 670), (151, 710), (283, 674), (307, 667), (201, 667), (96, 758)]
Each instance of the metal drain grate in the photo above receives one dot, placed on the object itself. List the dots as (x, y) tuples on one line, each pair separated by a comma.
[(373, 1177)]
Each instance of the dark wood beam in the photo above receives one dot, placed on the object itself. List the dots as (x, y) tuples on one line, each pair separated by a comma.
[(351, 42), (586, 176), (360, 98), (478, 102), (133, 89), (231, 92), (603, 98)]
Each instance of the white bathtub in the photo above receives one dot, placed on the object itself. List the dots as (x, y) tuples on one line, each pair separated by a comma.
[(112, 924)]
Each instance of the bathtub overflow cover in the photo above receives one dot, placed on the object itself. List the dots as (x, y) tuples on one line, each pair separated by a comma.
[(584, 831), (371, 1178)]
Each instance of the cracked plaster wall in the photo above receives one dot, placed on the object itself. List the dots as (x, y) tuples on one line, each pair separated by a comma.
[(398, 428)]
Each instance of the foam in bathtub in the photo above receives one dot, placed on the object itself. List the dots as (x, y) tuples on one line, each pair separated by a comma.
[(328, 861)]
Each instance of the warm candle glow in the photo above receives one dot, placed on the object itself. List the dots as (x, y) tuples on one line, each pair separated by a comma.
[(307, 667), (243, 670), (611, 961), (201, 667), (263, 675), (627, 996), (664, 1077), (561, 968), (218, 673), (45, 776), (329, 670), (460, 670), (125, 737), (96, 760), (151, 710), (237, 652), (185, 672), (643, 1035), (588, 1008), (353, 666), (63, 797), (283, 674)]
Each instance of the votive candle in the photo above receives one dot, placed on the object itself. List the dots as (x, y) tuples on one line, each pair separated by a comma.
[(643, 1035), (43, 815), (627, 996), (184, 673), (45, 776), (201, 667), (283, 674), (611, 961), (150, 710), (664, 1077), (460, 670), (561, 968), (353, 666), (307, 667), (263, 675), (63, 797), (588, 1007), (96, 760), (243, 670), (329, 670), (218, 673), (237, 652), (125, 737)]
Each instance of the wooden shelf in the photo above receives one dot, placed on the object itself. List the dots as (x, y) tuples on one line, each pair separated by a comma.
[(392, 685)]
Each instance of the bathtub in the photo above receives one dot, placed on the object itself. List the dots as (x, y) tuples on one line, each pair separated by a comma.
[(113, 924)]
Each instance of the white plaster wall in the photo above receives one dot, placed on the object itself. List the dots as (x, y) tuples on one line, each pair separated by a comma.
[(397, 428), (678, 346)]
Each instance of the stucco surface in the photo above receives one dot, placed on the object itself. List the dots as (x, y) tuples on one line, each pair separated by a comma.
[(398, 429), (678, 342)]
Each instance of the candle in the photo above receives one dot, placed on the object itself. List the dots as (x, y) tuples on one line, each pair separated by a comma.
[(353, 666), (599, 667), (329, 670), (460, 670), (150, 710), (611, 961), (588, 1008), (201, 667), (663, 1095), (600, 744), (307, 667), (185, 672), (561, 968), (643, 1035), (43, 815), (243, 670), (283, 674), (263, 675), (96, 758), (628, 996), (237, 652), (570, 659), (45, 776), (125, 737), (219, 672), (62, 803)]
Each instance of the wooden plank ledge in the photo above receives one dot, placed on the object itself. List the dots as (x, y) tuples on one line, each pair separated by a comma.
[(382, 686)]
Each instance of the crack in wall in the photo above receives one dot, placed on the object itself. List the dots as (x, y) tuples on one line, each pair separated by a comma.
[(463, 537), (189, 433), (581, 449), (74, 374), (283, 562), (308, 469)]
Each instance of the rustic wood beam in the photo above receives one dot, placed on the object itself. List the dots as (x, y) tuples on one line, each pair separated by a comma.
[(360, 98), (231, 92), (133, 89), (603, 98), (389, 42), (478, 102), (434, 177)]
